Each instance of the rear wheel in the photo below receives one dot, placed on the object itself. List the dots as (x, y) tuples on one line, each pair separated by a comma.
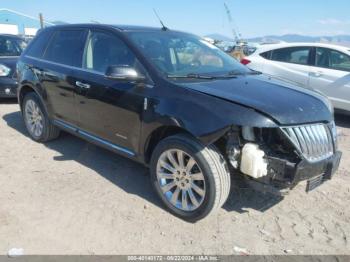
[(36, 120), (191, 179)]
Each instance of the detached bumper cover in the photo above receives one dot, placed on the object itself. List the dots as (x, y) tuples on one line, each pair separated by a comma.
[(8, 87), (284, 175)]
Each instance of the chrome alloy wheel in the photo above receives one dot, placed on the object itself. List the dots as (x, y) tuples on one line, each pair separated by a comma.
[(181, 179), (34, 118)]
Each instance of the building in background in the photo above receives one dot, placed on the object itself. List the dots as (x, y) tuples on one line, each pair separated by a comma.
[(12, 22)]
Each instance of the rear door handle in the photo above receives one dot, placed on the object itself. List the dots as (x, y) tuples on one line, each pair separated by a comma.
[(82, 85), (317, 74)]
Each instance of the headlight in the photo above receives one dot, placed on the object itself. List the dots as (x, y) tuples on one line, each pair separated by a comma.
[(4, 70)]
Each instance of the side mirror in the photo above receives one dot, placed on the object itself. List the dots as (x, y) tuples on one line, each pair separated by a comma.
[(123, 72)]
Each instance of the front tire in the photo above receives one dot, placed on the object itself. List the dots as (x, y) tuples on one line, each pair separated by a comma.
[(191, 179), (36, 120)]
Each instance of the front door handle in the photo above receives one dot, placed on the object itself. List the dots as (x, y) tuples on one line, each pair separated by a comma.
[(82, 85), (317, 74)]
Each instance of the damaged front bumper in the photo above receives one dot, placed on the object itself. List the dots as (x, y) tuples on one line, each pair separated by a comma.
[(284, 175)]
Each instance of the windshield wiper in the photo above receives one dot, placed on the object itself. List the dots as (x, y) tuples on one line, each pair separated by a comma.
[(196, 76), (254, 72), (235, 73)]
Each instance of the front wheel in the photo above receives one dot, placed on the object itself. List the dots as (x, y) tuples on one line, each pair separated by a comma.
[(191, 179)]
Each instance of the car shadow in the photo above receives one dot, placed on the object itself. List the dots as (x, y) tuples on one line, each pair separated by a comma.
[(342, 120), (242, 197), (130, 176)]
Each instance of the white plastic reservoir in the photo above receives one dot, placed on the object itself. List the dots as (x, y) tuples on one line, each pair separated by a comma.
[(253, 163)]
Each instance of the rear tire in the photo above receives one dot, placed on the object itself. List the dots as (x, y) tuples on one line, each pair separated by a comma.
[(178, 183), (36, 119)]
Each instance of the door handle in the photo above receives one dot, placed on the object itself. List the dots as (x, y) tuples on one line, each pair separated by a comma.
[(317, 74), (48, 74), (82, 85)]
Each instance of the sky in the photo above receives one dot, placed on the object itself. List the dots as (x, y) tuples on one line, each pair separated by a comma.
[(251, 18)]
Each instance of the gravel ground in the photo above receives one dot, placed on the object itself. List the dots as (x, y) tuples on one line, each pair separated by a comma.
[(71, 197)]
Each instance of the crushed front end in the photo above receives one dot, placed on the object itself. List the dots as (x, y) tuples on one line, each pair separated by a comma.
[(276, 159)]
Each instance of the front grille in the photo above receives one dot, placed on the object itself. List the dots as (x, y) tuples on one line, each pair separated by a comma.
[(314, 142)]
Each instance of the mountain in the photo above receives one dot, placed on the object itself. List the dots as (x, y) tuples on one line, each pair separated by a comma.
[(220, 37), (301, 38)]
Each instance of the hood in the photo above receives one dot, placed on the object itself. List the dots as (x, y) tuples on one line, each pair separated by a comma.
[(10, 62), (284, 103)]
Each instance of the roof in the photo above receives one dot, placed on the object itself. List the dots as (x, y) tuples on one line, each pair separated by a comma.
[(268, 47), (126, 28), (24, 15), (137, 28)]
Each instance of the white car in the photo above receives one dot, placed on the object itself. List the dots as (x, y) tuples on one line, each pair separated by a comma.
[(317, 66)]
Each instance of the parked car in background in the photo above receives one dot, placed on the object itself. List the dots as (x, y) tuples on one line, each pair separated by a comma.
[(237, 51), (11, 47), (179, 105), (317, 66)]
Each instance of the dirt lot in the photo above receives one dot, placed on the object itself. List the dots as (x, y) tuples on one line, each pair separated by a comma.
[(70, 197)]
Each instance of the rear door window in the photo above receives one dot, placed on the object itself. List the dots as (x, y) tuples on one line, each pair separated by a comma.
[(66, 47), (332, 59), (294, 55)]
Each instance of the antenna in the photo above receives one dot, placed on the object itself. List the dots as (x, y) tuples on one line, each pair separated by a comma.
[(164, 28)]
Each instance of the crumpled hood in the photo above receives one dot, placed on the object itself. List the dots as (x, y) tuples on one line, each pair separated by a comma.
[(284, 103), (10, 62)]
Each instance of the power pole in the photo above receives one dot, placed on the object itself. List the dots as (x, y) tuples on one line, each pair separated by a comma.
[(41, 18)]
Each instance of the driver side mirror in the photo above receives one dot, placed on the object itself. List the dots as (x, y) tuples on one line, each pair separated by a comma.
[(124, 72)]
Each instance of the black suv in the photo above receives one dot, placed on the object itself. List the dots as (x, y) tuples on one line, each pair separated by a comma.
[(11, 47), (179, 105)]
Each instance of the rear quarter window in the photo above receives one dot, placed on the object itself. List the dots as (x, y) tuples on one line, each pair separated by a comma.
[(266, 55), (38, 45)]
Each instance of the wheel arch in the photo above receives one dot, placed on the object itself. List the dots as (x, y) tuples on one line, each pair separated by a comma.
[(24, 90), (159, 134), (28, 88)]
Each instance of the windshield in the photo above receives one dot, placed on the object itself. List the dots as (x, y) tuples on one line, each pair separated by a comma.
[(181, 55), (10, 46)]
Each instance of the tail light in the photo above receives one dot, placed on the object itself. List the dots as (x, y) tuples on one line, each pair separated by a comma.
[(245, 61)]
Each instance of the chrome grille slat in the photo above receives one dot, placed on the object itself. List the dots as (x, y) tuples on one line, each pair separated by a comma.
[(323, 137), (293, 136), (329, 136), (314, 142), (309, 140), (303, 143), (318, 141)]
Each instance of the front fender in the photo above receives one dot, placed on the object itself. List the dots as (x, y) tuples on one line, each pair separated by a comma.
[(205, 117)]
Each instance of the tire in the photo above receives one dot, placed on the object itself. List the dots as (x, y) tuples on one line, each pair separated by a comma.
[(215, 182), (49, 131)]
